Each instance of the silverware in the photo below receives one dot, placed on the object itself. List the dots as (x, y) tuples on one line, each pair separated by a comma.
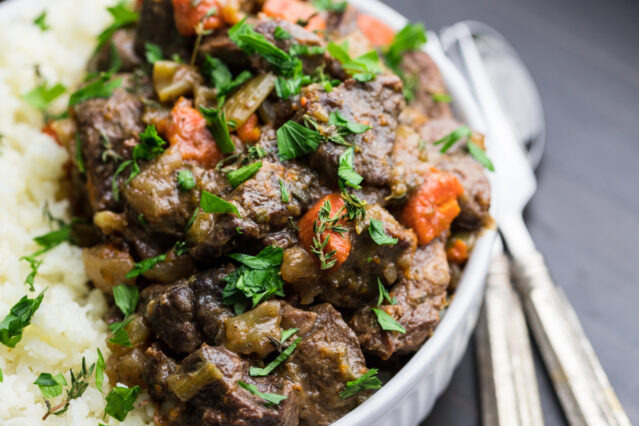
[(579, 380)]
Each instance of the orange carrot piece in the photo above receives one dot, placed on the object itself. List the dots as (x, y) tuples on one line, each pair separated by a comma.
[(457, 252), (340, 243), (432, 209), (188, 132), (375, 30), (294, 10), (187, 16), (249, 132)]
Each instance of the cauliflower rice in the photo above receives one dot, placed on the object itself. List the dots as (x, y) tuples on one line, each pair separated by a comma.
[(68, 324)]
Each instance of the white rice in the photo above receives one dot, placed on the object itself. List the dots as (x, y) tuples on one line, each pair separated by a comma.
[(68, 324)]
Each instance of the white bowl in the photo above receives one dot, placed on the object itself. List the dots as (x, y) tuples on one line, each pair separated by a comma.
[(410, 395)]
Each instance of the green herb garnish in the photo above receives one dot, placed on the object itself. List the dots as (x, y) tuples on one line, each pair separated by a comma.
[(181, 248), (153, 52), (79, 384), (50, 386), (294, 140), (330, 6), (120, 401), (411, 37), (346, 172), (363, 68), (326, 222), (126, 296), (237, 177), (449, 140), (122, 17), (384, 295), (41, 96), (79, 161), (100, 366), (284, 191), (366, 381), (41, 21), (287, 333), (441, 97), (220, 76), (102, 87), (387, 322), (479, 155), (185, 180), (217, 125), (281, 34), (210, 203), (143, 266), (378, 233), (269, 398), (259, 372)]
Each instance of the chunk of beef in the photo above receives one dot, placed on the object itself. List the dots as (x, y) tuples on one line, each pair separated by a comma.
[(420, 295), (209, 310), (108, 129), (259, 201), (355, 282), (429, 83), (170, 310), (157, 25), (220, 400), (219, 45), (327, 357), (158, 367), (340, 24), (119, 47), (376, 103)]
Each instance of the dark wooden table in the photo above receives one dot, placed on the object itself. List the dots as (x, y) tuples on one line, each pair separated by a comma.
[(584, 55)]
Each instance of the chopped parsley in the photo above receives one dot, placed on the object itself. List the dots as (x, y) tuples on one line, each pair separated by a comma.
[(378, 233), (479, 155), (255, 280), (79, 384), (153, 52), (346, 172), (120, 335), (122, 17), (217, 125), (181, 248), (294, 140), (143, 266), (363, 68), (383, 294), (252, 42), (1, 377), (284, 191), (287, 87), (17, 319), (330, 6), (220, 76), (35, 265), (287, 333), (281, 34), (387, 322), (185, 180), (126, 298), (119, 402), (239, 176), (269, 398), (42, 95), (411, 37), (449, 140), (259, 372), (79, 161), (442, 97), (305, 50), (366, 381), (100, 366), (336, 118), (326, 222), (210, 203), (102, 87), (41, 21)]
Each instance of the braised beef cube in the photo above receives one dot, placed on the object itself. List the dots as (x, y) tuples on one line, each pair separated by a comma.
[(171, 314), (326, 358), (355, 282), (420, 294), (209, 379), (219, 45), (376, 103), (119, 47), (259, 202), (158, 367), (475, 201), (209, 310), (300, 319), (340, 24), (157, 26), (419, 64)]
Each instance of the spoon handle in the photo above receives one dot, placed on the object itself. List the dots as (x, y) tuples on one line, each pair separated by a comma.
[(581, 383)]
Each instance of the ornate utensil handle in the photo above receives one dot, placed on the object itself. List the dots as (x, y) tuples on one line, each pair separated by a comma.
[(581, 383)]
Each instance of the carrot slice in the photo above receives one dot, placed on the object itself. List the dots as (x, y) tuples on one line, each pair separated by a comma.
[(457, 252), (375, 30), (249, 132), (189, 14), (294, 10), (432, 209), (187, 130), (340, 243)]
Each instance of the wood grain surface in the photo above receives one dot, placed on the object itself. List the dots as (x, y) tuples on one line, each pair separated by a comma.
[(584, 56)]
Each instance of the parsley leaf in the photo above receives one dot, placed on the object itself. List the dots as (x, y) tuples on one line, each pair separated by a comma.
[(217, 125), (120, 401), (50, 386), (284, 191), (79, 161), (270, 398), (114, 182), (126, 297), (1, 376), (41, 21), (366, 381), (363, 68), (120, 335), (287, 333), (383, 294), (253, 42), (17, 319), (103, 87), (305, 50), (294, 140), (257, 279), (150, 146), (34, 264), (52, 239), (213, 204), (122, 17), (346, 172), (441, 97), (281, 34), (237, 177), (185, 180), (41, 96), (336, 118), (449, 140), (141, 267), (329, 6), (287, 87), (479, 155), (387, 322), (100, 366), (153, 52), (259, 372), (378, 233), (181, 248), (221, 78), (411, 37)]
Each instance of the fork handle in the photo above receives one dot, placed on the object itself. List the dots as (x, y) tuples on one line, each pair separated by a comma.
[(581, 383)]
